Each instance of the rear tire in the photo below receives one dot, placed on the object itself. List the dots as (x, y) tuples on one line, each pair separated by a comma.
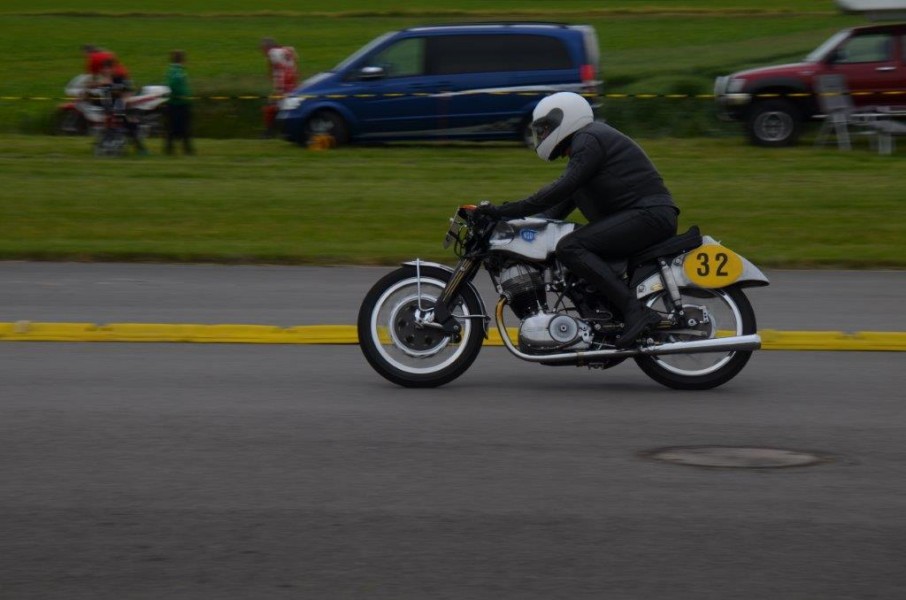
[(408, 355), (669, 373)]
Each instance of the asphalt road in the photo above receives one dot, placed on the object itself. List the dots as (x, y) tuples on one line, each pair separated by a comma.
[(230, 471), (285, 296)]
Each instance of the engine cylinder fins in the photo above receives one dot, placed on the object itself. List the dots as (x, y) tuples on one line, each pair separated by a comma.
[(523, 287)]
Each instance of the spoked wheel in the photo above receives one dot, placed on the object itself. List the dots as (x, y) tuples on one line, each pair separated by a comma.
[(709, 314), (406, 352)]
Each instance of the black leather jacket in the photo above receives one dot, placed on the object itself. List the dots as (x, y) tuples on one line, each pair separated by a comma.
[(607, 173)]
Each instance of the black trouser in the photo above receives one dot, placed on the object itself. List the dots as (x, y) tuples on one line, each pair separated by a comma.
[(179, 120), (584, 252)]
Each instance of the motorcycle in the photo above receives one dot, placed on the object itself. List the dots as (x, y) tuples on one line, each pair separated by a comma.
[(424, 324), (84, 112)]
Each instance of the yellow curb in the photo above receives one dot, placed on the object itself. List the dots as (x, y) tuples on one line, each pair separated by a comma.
[(28, 331)]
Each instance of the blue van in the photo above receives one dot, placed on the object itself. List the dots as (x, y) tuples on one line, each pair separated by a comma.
[(452, 82)]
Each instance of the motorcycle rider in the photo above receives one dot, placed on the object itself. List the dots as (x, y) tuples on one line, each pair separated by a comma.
[(611, 180), (117, 90)]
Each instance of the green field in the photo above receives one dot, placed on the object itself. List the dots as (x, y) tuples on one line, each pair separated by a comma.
[(265, 201), (252, 200), (671, 46)]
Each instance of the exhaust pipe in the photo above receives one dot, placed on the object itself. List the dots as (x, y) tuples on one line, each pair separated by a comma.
[(738, 343)]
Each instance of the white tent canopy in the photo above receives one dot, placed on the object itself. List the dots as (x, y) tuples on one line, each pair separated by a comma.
[(875, 9)]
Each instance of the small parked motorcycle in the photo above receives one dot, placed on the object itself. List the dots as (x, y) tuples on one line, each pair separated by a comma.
[(424, 324), (83, 113)]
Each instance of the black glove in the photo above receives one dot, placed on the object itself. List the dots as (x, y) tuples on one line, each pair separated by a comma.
[(487, 209)]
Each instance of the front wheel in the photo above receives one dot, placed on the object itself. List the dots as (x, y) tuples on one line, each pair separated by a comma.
[(329, 124), (774, 123), (402, 350), (71, 122), (709, 314)]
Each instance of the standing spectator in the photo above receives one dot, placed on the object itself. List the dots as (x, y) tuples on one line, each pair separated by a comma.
[(282, 63), (179, 111)]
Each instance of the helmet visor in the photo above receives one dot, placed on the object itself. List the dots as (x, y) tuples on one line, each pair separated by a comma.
[(542, 127)]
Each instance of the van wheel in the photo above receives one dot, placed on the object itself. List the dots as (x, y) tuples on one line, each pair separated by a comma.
[(327, 123), (774, 123)]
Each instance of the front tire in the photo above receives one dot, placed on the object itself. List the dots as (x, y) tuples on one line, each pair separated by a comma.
[(729, 314), (327, 123), (774, 123), (409, 355), (71, 122)]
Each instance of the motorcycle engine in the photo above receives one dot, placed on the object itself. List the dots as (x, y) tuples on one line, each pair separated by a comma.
[(523, 287), (553, 331), (540, 331)]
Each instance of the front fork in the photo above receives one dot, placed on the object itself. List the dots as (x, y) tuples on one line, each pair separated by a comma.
[(463, 273), (439, 314)]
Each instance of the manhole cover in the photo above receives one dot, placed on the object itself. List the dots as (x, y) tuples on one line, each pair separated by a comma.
[(736, 457)]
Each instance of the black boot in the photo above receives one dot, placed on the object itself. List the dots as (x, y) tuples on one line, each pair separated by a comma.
[(637, 321)]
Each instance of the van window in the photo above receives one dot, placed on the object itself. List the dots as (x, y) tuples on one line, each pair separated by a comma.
[(449, 54), (873, 47), (402, 59)]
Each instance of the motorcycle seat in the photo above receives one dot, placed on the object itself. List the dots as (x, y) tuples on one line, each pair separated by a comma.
[(675, 245)]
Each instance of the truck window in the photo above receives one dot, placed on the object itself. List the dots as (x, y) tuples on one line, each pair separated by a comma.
[(451, 54), (405, 58), (872, 47)]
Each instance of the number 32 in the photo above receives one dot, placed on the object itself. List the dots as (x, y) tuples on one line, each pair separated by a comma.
[(704, 268)]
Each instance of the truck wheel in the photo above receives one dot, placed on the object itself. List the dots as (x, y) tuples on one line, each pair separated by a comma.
[(774, 123)]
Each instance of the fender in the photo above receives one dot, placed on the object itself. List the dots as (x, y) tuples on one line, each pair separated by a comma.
[(484, 310), (788, 84), (751, 275)]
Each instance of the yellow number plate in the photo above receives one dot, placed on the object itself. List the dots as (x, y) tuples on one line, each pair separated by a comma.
[(712, 266)]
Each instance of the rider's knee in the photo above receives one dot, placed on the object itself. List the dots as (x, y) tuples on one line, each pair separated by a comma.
[(568, 249)]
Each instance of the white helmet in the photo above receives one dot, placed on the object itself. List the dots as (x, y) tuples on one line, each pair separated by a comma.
[(556, 118)]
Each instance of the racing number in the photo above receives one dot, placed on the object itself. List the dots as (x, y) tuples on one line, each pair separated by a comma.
[(713, 266), (704, 269)]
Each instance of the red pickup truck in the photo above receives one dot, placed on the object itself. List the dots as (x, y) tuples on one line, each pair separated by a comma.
[(774, 102)]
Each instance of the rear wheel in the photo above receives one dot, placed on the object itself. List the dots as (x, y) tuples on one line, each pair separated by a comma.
[(710, 314), (774, 123), (402, 350)]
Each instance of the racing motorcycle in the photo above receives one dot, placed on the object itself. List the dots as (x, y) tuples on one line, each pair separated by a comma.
[(423, 325), (84, 113)]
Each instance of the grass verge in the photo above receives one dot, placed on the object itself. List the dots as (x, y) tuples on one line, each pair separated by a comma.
[(266, 201), (646, 46)]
